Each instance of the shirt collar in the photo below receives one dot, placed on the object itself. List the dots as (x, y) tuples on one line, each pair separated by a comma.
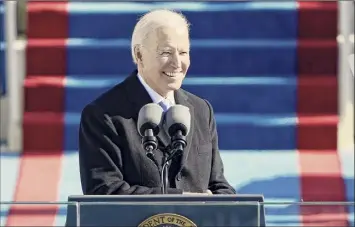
[(156, 98)]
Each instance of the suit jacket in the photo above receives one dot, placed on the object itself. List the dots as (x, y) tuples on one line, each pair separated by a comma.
[(112, 158)]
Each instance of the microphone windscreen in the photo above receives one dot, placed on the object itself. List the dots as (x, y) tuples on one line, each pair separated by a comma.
[(178, 117), (149, 117)]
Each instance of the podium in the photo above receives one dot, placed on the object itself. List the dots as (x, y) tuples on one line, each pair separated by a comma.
[(166, 210)]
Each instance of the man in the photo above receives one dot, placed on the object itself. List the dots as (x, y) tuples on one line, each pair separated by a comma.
[(112, 158)]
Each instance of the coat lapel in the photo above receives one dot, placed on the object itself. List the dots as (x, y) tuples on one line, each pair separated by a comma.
[(182, 99), (163, 137), (136, 93)]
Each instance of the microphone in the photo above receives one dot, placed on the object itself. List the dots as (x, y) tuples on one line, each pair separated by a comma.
[(149, 118), (178, 121)]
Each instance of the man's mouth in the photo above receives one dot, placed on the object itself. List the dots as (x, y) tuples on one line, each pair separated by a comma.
[(172, 74)]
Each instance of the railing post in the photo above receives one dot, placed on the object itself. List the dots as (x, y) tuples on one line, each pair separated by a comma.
[(14, 136), (345, 79)]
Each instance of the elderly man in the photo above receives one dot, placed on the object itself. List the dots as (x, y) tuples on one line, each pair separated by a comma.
[(112, 159)]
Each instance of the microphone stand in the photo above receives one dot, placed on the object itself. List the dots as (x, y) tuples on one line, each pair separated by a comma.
[(165, 170), (165, 176), (150, 143), (178, 143)]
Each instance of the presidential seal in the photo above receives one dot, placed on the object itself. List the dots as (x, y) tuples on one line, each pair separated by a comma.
[(167, 220)]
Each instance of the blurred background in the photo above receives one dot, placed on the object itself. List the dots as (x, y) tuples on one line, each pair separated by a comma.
[(282, 68)]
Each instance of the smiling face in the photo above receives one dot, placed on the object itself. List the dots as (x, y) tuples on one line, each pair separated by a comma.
[(165, 58)]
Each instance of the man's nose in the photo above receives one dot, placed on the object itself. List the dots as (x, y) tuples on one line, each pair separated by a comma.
[(176, 60)]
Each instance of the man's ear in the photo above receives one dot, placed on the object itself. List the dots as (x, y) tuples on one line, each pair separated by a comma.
[(138, 55)]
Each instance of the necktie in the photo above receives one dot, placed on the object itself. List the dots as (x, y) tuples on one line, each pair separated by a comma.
[(165, 105)]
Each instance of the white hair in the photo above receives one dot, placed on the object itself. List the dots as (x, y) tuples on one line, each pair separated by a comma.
[(151, 21)]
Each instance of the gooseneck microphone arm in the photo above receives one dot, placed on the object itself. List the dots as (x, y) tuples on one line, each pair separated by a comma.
[(178, 144), (164, 176)]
